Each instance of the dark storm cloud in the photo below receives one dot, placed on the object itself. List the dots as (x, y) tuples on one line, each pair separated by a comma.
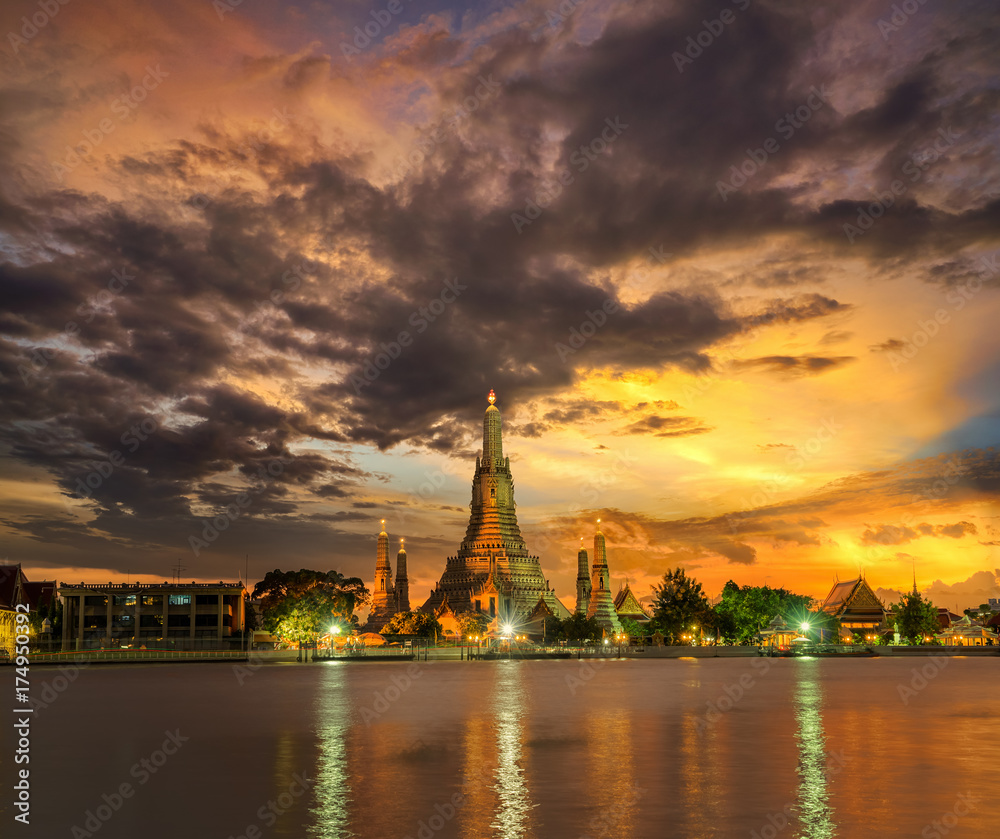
[(223, 288)]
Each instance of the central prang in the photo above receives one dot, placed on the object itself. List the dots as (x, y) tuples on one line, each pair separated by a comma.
[(492, 571)]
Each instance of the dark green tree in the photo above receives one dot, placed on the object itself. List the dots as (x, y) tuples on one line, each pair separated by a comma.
[(575, 628), (915, 618), (413, 623), (745, 611), (678, 604), (633, 629), (301, 605)]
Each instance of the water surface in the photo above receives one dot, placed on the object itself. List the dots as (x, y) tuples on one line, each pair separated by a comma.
[(665, 748)]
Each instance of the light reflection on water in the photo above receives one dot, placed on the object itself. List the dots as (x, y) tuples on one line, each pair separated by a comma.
[(513, 802), (631, 753), (814, 810), (332, 786)]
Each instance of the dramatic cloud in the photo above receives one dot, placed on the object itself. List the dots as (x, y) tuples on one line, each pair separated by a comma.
[(719, 293)]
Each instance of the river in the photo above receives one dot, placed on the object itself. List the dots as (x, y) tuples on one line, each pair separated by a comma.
[(740, 747)]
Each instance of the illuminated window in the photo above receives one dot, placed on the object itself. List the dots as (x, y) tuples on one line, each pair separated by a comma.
[(179, 600)]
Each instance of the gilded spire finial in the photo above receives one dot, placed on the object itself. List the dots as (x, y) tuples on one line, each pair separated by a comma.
[(383, 525), (492, 397), (598, 525)]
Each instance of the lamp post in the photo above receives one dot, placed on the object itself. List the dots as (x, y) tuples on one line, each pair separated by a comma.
[(334, 631)]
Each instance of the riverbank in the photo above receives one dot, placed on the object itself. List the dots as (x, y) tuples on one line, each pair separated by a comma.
[(473, 654)]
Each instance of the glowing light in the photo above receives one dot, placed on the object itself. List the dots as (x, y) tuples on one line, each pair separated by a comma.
[(492, 397), (805, 626), (507, 629), (335, 630)]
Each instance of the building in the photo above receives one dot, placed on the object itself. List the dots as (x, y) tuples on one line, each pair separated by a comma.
[(582, 580), (778, 635), (627, 605), (16, 590), (946, 617), (854, 604), (492, 572), (964, 632), (179, 616), (402, 587), (383, 594), (601, 606)]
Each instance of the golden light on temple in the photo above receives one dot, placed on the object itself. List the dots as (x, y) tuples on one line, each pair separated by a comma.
[(492, 397)]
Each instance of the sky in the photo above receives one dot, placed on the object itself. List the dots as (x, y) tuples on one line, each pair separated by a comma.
[(732, 269)]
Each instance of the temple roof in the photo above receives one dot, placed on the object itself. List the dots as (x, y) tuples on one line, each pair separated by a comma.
[(11, 582), (627, 604), (852, 597), (541, 609)]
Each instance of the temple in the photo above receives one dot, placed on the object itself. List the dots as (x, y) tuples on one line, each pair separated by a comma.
[(856, 608), (402, 587), (492, 572), (383, 595), (582, 580), (627, 605), (601, 606)]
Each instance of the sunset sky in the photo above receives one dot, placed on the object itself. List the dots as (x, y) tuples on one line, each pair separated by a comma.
[(732, 269)]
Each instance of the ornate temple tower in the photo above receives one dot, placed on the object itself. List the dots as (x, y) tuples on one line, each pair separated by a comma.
[(582, 580), (492, 571), (402, 589), (383, 598), (601, 605)]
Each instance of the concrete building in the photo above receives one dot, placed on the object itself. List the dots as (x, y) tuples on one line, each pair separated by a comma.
[(179, 616)]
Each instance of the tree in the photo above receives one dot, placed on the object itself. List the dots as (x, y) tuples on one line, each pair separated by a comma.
[(576, 627), (982, 614), (632, 628), (419, 624), (472, 624), (678, 604), (915, 618), (745, 611), (299, 605)]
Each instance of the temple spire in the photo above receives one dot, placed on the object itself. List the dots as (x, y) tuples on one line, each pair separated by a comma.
[(492, 442), (582, 580), (383, 596), (401, 590), (601, 605)]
